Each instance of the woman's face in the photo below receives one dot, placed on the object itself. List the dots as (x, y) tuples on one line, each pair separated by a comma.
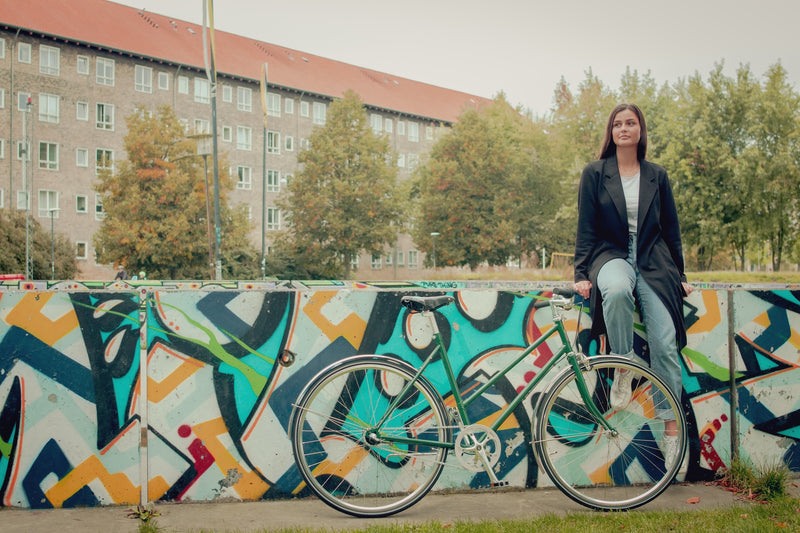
[(625, 129)]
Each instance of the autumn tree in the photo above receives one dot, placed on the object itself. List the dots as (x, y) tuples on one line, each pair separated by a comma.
[(344, 200), (155, 207), (40, 241)]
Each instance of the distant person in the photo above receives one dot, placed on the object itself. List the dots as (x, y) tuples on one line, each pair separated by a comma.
[(627, 248), (121, 274), (142, 275)]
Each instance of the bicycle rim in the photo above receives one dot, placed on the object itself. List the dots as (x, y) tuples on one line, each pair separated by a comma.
[(603, 469), (340, 458)]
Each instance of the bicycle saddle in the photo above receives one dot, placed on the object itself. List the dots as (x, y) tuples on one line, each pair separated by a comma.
[(417, 304)]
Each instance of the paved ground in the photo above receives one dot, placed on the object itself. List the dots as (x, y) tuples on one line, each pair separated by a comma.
[(249, 517)]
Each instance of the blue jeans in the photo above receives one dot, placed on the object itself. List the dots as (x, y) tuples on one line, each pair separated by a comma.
[(617, 281)]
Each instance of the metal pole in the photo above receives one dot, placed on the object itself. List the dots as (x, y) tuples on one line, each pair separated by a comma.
[(264, 109), (208, 218), (26, 188), (434, 234), (52, 246)]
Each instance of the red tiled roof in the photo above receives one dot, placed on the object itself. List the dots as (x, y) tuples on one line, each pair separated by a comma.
[(120, 28)]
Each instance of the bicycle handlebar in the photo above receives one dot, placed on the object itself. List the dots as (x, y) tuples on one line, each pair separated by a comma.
[(564, 292)]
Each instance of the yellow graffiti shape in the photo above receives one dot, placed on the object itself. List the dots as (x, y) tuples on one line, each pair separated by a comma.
[(249, 486), (351, 328), (27, 315), (119, 486), (712, 318), (158, 390)]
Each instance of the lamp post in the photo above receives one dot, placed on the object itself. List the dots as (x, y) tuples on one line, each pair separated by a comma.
[(205, 149), (434, 234), (52, 211)]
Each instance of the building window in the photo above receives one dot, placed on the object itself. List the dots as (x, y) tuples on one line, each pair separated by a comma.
[(21, 203), (99, 212), (105, 71), (2, 98), (227, 94), (48, 200), (289, 143), (83, 65), (412, 259), (273, 218), (304, 109), (273, 104), (104, 160), (22, 101), (2, 148), (22, 150), (201, 126), (429, 133), (2, 55), (376, 121), (49, 60), (105, 117), (2, 198), (354, 261), (48, 108), (245, 178), (82, 157), (144, 79), (401, 127), (401, 256), (377, 262), (288, 106), (81, 204), (319, 113), (273, 180), (80, 250), (244, 98), (401, 160), (388, 125), (413, 132), (244, 138), (163, 81), (388, 259), (82, 111), (24, 53), (48, 155), (183, 85), (227, 134), (202, 91), (273, 142)]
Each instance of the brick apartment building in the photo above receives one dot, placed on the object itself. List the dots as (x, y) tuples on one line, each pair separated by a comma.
[(88, 64)]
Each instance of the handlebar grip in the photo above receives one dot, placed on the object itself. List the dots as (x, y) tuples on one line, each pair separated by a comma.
[(541, 303), (566, 292)]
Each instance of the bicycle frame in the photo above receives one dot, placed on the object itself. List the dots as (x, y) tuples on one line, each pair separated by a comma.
[(573, 358)]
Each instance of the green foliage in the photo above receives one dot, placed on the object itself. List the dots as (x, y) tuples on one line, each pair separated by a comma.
[(12, 242), (155, 204), (767, 482), (344, 201)]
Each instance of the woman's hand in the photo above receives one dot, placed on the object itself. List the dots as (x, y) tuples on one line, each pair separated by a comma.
[(584, 288), (687, 289)]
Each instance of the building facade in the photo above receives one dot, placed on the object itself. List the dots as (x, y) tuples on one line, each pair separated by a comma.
[(67, 83)]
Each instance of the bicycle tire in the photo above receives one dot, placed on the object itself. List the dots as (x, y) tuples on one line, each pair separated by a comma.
[(593, 466), (340, 460)]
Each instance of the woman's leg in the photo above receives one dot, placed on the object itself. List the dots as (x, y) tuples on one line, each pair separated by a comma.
[(616, 281)]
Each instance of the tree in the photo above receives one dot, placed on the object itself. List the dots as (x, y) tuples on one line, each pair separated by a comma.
[(12, 242), (155, 207), (488, 189), (344, 200)]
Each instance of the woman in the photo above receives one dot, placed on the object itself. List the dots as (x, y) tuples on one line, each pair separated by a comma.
[(628, 246)]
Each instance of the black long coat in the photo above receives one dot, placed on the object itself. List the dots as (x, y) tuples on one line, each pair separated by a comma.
[(603, 235)]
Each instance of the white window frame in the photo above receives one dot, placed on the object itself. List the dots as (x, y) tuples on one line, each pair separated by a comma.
[(202, 91), (227, 94), (104, 115), (105, 73), (49, 60), (288, 143), (304, 109), (48, 108), (244, 98), (413, 132), (413, 259), (288, 106), (377, 262), (22, 101), (273, 180), (24, 53), (163, 81), (2, 148), (273, 104), (183, 84), (101, 155), (83, 65), (50, 162), (82, 157), (273, 219), (388, 125), (376, 122), (227, 134), (202, 126), (143, 79), (428, 132), (48, 199), (401, 127), (99, 211), (21, 197), (78, 198), (244, 138), (2, 98), (320, 113), (2, 53), (245, 178), (82, 111), (273, 142)]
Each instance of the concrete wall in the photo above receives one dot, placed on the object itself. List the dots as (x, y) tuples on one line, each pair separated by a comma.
[(74, 429)]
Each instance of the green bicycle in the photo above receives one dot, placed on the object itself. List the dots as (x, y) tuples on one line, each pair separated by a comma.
[(371, 435)]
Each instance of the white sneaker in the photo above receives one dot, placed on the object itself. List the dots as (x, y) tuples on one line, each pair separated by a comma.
[(621, 394)]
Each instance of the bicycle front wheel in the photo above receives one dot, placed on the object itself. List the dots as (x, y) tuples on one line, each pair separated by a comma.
[(350, 461), (616, 469)]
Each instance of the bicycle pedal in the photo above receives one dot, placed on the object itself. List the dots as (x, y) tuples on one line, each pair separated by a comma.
[(499, 484)]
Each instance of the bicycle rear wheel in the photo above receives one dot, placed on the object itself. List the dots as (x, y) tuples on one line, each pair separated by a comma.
[(602, 469), (347, 460)]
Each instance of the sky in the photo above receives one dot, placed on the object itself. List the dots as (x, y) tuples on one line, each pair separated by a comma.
[(520, 47)]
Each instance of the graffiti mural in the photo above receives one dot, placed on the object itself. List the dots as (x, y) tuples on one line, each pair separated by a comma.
[(116, 393)]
